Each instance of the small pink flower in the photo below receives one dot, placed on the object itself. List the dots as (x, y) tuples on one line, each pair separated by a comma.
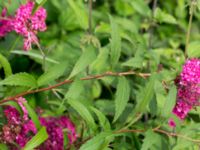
[(21, 102), (171, 123)]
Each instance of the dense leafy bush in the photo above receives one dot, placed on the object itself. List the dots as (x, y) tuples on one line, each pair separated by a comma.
[(100, 75)]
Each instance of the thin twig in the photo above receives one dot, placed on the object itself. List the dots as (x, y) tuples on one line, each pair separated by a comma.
[(157, 129), (143, 75), (90, 16)]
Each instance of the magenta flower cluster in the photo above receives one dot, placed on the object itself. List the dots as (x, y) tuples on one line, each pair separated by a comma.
[(5, 23), (26, 23), (20, 129), (188, 88)]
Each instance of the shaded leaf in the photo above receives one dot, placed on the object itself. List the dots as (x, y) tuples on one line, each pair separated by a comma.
[(51, 74)]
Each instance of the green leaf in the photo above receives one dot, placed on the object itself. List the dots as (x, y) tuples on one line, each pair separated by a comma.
[(20, 79), (122, 97), (96, 142), (145, 95), (35, 55), (115, 42), (51, 74), (75, 90), (135, 62), (38, 139), (194, 49), (170, 101), (33, 115), (3, 147), (83, 112), (102, 119), (40, 1), (164, 17), (6, 66), (80, 14), (141, 7), (87, 57), (151, 138)]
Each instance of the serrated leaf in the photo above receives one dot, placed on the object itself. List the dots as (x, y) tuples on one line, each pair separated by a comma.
[(80, 14), (115, 42), (150, 139), (141, 7), (193, 49), (6, 66), (96, 142), (170, 101), (135, 62), (122, 97), (87, 57), (51, 74), (164, 17), (33, 116), (83, 112), (20, 79), (102, 119), (145, 95), (38, 139)]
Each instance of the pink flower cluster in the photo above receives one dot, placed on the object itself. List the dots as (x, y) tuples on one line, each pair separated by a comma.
[(5, 23), (20, 130), (188, 88), (26, 23)]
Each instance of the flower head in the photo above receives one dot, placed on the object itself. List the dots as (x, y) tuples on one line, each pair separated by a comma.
[(5, 23), (188, 88), (28, 24)]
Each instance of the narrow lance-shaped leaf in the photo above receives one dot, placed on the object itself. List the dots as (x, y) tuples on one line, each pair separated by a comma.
[(122, 97), (102, 119), (96, 142), (170, 101), (80, 14), (51, 74), (38, 139), (115, 42), (20, 79), (87, 57), (6, 66), (145, 95), (83, 112), (33, 116)]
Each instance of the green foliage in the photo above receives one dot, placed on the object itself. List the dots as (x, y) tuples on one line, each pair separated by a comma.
[(6, 66), (115, 42), (20, 79), (122, 97), (38, 139), (144, 39)]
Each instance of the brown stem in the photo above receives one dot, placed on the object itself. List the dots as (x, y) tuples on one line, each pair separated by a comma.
[(157, 129), (90, 17), (144, 75)]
